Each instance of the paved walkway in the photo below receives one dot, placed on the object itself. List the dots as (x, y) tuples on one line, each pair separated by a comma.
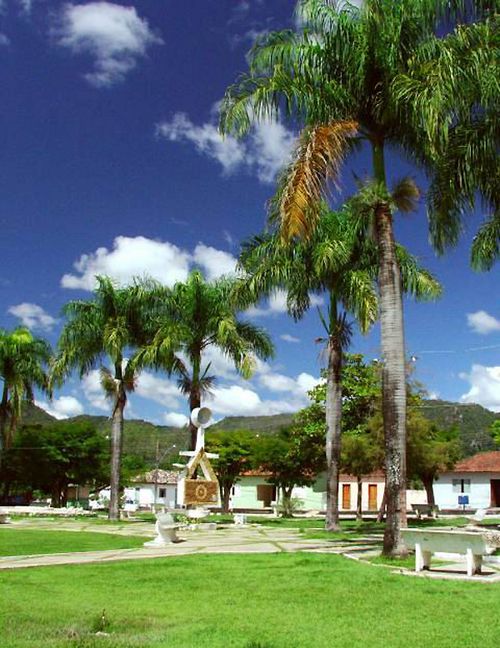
[(229, 540)]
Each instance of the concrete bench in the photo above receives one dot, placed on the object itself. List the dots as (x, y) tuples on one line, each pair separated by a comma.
[(426, 542), (4, 517), (431, 510), (166, 530)]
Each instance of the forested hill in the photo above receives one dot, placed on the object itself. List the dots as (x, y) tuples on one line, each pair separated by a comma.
[(473, 422), (141, 438), (261, 424)]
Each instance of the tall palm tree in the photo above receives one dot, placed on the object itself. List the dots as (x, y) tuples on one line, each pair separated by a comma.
[(23, 362), (104, 328), (192, 316), (335, 260), (338, 75)]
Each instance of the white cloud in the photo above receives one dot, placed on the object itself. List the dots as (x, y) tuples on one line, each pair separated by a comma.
[(62, 407), (276, 304), (228, 238), (214, 262), (175, 419), (129, 258), (264, 152), (240, 401), (33, 316), (482, 322), (4, 40), (297, 387), (26, 5), (91, 385), (221, 365), (139, 257), (160, 390), (290, 338), (229, 152), (114, 35), (236, 400), (433, 395), (484, 387)]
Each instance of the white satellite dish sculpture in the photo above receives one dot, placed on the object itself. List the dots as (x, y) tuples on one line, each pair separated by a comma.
[(192, 491)]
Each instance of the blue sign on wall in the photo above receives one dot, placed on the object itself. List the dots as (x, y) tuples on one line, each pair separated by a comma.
[(463, 500)]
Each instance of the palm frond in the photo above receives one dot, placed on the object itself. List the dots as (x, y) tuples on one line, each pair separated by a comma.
[(317, 160), (108, 382), (405, 195), (486, 244), (417, 281)]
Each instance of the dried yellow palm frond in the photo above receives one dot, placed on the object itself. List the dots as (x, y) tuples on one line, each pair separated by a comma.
[(318, 157)]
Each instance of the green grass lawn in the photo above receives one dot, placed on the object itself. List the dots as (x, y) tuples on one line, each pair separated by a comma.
[(19, 542), (244, 601)]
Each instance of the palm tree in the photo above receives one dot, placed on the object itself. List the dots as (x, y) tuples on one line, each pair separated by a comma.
[(192, 316), (338, 74), (105, 327), (329, 261), (23, 359), (337, 260)]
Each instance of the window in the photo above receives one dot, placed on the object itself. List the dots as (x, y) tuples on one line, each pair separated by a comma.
[(162, 492), (461, 485)]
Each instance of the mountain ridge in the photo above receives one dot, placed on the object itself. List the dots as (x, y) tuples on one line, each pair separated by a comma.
[(148, 440)]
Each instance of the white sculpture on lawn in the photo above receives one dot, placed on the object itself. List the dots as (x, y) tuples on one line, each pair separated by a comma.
[(191, 491)]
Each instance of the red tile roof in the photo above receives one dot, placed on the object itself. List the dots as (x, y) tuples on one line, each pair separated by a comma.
[(482, 462)]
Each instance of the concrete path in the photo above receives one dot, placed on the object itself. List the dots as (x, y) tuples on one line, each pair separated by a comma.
[(230, 540), (249, 539)]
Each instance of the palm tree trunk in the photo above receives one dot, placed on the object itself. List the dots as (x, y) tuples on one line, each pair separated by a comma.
[(116, 454), (393, 382), (393, 368), (194, 400), (333, 410)]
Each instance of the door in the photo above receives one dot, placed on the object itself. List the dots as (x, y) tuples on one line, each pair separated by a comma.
[(495, 493), (346, 496), (372, 497)]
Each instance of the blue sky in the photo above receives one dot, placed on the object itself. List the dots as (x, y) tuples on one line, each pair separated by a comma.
[(110, 162)]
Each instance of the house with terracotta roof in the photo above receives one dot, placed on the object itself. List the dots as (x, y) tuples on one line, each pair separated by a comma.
[(474, 483), (254, 492)]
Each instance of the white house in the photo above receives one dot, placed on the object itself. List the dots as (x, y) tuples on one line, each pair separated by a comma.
[(154, 487), (473, 483), (253, 491)]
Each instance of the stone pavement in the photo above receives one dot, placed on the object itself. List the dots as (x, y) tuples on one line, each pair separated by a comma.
[(230, 540), (247, 539)]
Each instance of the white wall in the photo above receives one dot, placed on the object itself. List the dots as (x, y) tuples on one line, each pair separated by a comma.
[(143, 495), (479, 494)]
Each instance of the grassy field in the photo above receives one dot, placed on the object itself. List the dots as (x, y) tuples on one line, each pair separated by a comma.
[(244, 601), (19, 542)]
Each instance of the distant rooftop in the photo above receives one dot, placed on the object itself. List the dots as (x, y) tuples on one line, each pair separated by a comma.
[(481, 462), (157, 476)]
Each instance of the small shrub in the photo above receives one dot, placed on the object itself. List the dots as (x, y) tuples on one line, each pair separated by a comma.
[(289, 505)]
